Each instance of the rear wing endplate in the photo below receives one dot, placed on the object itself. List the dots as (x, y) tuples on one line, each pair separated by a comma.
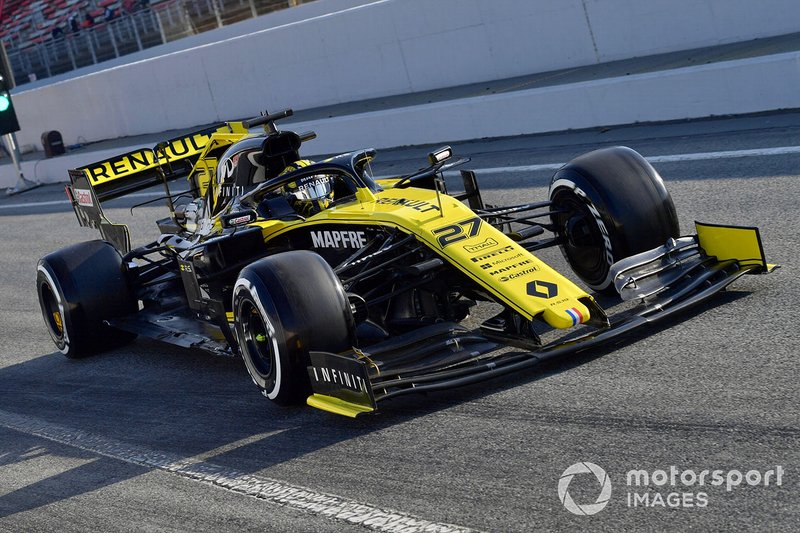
[(90, 215)]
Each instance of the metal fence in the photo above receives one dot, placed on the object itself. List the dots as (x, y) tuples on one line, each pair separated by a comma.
[(161, 23)]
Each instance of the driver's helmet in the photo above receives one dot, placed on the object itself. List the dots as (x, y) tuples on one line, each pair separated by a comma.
[(310, 194)]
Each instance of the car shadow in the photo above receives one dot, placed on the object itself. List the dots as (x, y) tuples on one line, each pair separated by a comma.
[(420, 405), (198, 406), (82, 479)]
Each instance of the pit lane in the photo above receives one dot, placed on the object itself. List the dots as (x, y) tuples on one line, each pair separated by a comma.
[(714, 389)]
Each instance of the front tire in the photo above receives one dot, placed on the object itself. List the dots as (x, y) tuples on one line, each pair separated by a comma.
[(78, 288), (285, 306), (612, 204)]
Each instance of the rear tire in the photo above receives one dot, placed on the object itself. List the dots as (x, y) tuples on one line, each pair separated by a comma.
[(79, 287), (614, 204), (285, 306)]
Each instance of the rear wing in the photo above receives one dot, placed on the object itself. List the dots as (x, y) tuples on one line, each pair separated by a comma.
[(140, 169)]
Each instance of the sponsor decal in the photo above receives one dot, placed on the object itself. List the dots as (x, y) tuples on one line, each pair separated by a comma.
[(494, 263), (509, 267), (419, 205), (240, 220), (341, 377), (520, 274), (229, 190), (317, 181), (474, 248), (609, 251), (335, 376), (484, 257), (542, 289), (83, 197), (138, 160), (338, 239)]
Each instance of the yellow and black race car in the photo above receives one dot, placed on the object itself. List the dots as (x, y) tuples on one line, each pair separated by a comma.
[(342, 290)]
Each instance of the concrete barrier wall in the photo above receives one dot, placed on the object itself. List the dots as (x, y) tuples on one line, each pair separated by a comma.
[(718, 89), (655, 26), (381, 48)]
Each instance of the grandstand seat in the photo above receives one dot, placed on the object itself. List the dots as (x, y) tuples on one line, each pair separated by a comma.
[(24, 24)]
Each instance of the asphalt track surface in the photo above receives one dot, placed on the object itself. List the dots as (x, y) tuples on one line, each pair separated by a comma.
[(153, 438)]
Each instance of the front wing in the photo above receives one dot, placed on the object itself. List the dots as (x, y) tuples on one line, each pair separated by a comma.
[(665, 281)]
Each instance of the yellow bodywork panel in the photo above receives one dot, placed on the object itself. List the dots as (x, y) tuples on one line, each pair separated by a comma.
[(203, 174), (733, 242), (337, 406), (504, 268)]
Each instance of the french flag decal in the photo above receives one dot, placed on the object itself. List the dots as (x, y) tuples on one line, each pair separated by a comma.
[(575, 315)]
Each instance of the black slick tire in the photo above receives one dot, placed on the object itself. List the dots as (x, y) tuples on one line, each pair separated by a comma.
[(284, 306), (79, 287), (611, 204)]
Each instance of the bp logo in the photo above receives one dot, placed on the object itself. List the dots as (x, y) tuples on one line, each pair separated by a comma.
[(586, 509)]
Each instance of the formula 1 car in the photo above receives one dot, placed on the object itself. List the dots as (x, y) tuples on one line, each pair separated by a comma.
[(342, 290)]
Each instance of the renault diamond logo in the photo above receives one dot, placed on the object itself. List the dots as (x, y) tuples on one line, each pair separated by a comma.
[(542, 289)]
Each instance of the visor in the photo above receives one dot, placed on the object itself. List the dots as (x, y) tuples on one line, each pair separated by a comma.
[(313, 188)]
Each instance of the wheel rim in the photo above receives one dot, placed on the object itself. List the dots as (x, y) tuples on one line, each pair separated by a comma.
[(583, 243), (257, 342), (52, 313)]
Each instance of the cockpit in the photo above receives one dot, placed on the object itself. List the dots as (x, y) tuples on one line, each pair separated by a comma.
[(266, 175)]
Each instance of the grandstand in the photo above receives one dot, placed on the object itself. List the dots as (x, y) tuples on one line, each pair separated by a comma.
[(43, 39)]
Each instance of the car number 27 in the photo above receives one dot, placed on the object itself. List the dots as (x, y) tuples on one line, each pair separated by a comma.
[(451, 233)]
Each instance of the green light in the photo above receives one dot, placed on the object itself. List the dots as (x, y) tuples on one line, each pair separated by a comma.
[(4, 102)]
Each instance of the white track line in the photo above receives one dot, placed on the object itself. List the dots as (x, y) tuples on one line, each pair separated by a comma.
[(66, 202), (674, 158), (277, 492), (35, 204), (729, 154)]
